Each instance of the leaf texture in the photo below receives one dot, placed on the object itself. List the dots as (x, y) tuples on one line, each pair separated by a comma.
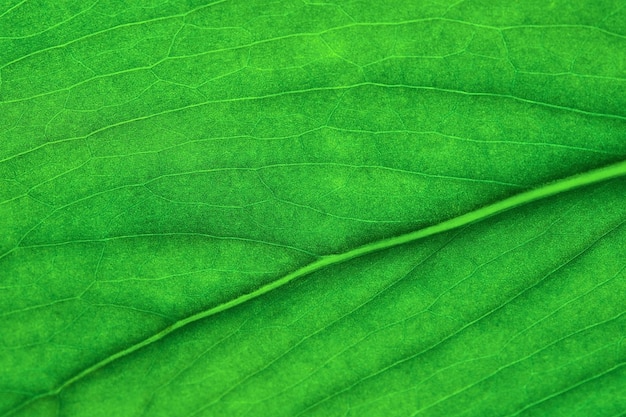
[(302, 208)]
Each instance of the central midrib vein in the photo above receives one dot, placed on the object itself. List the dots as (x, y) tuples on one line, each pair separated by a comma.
[(595, 176)]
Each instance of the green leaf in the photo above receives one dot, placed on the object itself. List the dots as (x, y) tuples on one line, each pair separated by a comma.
[(309, 208)]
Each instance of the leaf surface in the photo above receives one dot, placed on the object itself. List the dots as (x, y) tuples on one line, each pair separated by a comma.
[(295, 208)]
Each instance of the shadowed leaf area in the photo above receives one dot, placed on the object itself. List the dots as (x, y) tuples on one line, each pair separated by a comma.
[(298, 208)]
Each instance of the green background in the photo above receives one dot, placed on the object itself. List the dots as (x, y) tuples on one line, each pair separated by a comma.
[(182, 183)]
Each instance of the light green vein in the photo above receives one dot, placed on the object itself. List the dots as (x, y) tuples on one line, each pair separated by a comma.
[(10, 9), (595, 176)]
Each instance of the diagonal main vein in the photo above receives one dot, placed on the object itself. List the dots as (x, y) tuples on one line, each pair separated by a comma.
[(594, 176)]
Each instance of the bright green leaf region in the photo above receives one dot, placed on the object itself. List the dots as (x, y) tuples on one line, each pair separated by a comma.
[(333, 208)]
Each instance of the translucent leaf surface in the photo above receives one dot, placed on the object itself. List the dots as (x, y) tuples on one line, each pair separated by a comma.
[(303, 208)]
